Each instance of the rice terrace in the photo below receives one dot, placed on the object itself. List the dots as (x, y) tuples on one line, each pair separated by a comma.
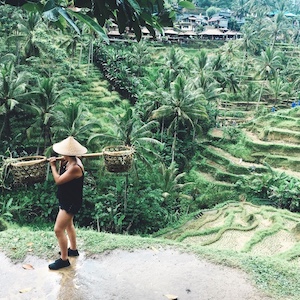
[(245, 228)]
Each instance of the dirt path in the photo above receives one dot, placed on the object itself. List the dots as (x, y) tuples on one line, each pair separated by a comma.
[(150, 274)]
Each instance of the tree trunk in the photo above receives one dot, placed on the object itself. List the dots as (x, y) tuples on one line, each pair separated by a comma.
[(174, 145), (174, 139), (125, 193), (259, 98), (162, 130), (5, 129)]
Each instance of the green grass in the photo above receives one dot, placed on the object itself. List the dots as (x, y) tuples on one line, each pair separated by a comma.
[(16, 242), (273, 275)]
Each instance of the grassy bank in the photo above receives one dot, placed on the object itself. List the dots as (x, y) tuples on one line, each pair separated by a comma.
[(277, 277)]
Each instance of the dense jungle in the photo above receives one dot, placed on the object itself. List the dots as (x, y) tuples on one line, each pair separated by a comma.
[(188, 111)]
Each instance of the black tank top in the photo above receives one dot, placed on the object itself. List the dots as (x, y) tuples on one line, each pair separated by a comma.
[(71, 191)]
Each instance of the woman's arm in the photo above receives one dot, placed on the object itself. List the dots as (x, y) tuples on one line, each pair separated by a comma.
[(71, 173)]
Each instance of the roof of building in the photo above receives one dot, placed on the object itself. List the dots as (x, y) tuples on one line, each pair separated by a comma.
[(170, 31), (231, 32), (188, 33), (114, 32), (217, 18), (212, 32)]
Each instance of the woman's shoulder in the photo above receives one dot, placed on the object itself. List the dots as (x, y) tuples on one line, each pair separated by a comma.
[(79, 164)]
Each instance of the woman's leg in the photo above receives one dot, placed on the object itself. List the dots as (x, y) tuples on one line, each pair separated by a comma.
[(63, 220), (72, 235)]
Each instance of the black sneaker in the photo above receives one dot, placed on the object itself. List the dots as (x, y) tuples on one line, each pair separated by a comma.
[(71, 252), (58, 264)]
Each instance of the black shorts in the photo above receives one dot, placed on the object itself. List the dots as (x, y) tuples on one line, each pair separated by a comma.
[(70, 208)]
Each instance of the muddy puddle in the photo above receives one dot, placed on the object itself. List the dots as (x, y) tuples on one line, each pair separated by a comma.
[(149, 274)]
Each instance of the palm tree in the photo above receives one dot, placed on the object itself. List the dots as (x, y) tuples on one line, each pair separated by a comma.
[(249, 44), (277, 29), (241, 8), (229, 51), (175, 62), (171, 185), (255, 5), (13, 89), (26, 34), (44, 108), (250, 92), (70, 43), (73, 119), (170, 179), (206, 74), (139, 57), (232, 82), (268, 64), (200, 62), (277, 89), (158, 89), (129, 130), (183, 106), (249, 41), (269, 61)]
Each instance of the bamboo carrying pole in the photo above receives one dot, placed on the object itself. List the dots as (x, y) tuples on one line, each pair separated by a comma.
[(25, 170), (97, 154), (89, 155)]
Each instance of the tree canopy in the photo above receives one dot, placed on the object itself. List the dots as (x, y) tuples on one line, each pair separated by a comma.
[(133, 14)]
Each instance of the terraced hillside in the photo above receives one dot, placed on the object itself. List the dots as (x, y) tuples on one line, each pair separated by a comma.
[(252, 147), (272, 139), (98, 94), (278, 136), (245, 228)]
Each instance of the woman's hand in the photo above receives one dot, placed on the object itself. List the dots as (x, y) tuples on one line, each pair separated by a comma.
[(52, 161)]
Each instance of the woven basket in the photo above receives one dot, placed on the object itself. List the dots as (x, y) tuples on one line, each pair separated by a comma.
[(29, 170), (118, 159)]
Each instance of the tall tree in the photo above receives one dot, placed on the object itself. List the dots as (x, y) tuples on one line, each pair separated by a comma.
[(70, 42), (139, 58), (25, 35), (250, 93), (269, 61), (248, 44), (172, 185), (241, 8), (74, 119), (129, 130), (13, 91), (277, 89), (175, 62), (44, 108), (182, 107), (278, 29)]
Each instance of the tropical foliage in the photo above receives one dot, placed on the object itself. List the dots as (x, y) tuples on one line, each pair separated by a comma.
[(160, 99), (133, 14)]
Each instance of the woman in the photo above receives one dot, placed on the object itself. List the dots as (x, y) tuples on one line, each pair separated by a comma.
[(69, 181)]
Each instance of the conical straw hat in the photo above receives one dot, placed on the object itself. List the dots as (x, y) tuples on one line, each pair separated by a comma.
[(69, 147)]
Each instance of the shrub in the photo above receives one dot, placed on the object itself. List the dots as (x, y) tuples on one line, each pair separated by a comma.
[(3, 225), (214, 196)]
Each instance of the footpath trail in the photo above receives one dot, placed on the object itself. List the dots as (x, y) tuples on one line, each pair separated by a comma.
[(148, 274)]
